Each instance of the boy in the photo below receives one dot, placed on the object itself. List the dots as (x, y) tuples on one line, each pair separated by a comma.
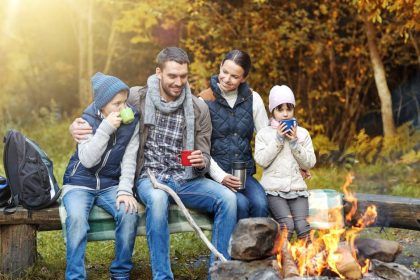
[(101, 172)]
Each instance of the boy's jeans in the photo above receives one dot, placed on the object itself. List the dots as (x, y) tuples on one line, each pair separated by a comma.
[(200, 193), (252, 201), (78, 203)]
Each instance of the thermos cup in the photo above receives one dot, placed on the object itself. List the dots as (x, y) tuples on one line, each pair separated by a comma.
[(239, 170)]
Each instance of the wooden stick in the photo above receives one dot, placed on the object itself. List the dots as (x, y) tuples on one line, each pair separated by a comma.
[(288, 264), (184, 210)]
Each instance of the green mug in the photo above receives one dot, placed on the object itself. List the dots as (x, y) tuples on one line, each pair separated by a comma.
[(127, 115)]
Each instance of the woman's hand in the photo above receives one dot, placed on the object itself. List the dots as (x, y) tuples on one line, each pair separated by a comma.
[(129, 201), (231, 182), (79, 129)]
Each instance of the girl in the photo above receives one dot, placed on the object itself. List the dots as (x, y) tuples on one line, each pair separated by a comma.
[(282, 152), (236, 112)]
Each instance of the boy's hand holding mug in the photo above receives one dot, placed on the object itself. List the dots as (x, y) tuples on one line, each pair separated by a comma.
[(114, 119)]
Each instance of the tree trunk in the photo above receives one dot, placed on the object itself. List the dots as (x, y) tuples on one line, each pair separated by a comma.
[(380, 80), (111, 47), (90, 67), (85, 45)]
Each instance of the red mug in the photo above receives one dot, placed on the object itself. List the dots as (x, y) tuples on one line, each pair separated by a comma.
[(184, 157)]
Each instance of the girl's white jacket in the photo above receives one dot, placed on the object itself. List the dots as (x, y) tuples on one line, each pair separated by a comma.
[(282, 161)]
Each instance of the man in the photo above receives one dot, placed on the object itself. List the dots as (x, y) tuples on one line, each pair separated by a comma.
[(172, 119)]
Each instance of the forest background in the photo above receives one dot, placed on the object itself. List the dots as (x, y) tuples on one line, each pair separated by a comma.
[(352, 64)]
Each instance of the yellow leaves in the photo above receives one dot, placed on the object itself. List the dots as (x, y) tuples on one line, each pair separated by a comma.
[(322, 144), (411, 157), (323, 9)]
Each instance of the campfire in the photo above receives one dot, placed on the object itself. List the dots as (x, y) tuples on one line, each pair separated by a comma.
[(329, 250), (260, 249)]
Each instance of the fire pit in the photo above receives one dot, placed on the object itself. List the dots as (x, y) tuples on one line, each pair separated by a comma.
[(261, 251)]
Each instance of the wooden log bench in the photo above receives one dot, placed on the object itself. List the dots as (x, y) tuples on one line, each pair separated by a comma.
[(18, 231)]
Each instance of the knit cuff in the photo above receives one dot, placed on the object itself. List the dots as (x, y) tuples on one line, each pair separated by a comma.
[(294, 144), (124, 192), (280, 139), (106, 127)]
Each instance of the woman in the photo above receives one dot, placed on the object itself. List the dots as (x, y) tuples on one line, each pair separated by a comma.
[(236, 112)]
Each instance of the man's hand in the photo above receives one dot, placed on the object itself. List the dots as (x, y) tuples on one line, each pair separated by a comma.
[(197, 159), (129, 201), (231, 182), (79, 129)]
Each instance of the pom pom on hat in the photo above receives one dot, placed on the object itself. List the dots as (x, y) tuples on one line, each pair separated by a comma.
[(280, 95), (105, 87)]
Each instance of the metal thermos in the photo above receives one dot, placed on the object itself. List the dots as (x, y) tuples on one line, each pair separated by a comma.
[(239, 170)]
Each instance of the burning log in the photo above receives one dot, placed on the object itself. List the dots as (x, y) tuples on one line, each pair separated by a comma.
[(346, 265), (395, 211), (288, 265), (392, 271), (383, 250)]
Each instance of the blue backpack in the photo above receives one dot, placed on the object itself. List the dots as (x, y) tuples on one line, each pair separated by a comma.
[(29, 172), (4, 192)]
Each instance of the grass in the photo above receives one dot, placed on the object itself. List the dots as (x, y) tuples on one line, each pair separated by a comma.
[(187, 251)]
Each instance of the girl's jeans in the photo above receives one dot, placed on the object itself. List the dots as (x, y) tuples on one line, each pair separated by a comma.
[(291, 214)]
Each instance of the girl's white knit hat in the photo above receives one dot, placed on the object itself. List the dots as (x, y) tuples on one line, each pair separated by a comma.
[(280, 95)]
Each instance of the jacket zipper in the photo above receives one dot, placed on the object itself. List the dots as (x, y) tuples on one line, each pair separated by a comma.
[(98, 181), (75, 168)]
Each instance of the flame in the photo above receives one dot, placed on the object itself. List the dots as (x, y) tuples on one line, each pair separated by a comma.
[(322, 249)]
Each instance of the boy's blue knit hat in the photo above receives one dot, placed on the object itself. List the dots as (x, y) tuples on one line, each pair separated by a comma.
[(105, 87)]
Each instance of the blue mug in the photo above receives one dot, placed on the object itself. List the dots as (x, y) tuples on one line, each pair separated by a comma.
[(290, 123)]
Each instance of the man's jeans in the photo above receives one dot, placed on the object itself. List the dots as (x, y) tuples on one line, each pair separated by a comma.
[(78, 203), (200, 193), (252, 201)]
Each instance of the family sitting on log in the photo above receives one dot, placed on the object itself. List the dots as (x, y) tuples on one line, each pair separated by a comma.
[(164, 130)]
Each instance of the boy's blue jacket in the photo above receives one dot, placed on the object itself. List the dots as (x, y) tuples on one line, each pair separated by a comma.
[(107, 172)]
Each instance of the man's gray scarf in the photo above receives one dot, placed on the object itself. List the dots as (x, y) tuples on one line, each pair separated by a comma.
[(153, 102)]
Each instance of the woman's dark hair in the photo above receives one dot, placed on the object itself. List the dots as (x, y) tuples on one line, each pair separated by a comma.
[(240, 58)]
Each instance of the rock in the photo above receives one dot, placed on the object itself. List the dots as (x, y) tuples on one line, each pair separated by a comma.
[(265, 274), (254, 238), (380, 249), (392, 271), (232, 270)]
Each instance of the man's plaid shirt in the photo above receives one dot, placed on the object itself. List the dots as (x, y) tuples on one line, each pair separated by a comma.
[(163, 146)]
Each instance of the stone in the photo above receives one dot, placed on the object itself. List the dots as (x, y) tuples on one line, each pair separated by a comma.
[(265, 274), (232, 270), (393, 271), (254, 238), (380, 249)]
